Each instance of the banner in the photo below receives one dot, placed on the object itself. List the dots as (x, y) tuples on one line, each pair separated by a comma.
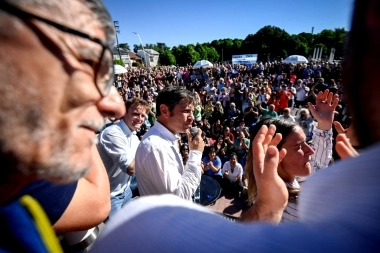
[(244, 59)]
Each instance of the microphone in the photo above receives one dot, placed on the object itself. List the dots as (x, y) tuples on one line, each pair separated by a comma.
[(193, 131)]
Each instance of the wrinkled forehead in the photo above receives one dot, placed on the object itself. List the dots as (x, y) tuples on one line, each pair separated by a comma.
[(74, 14)]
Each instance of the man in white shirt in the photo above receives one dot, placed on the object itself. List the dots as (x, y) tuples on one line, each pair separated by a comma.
[(301, 94), (117, 146), (339, 206), (159, 167), (292, 91), (286, 116)]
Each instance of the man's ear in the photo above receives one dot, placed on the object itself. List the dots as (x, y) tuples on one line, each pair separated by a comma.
[(165, 112)]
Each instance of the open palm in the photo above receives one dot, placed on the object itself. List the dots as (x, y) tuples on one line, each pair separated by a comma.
[(324, 108)]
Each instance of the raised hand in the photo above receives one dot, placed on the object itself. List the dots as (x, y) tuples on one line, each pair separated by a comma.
[(349, 132), (272, 194), (323, 110), (344, 148)]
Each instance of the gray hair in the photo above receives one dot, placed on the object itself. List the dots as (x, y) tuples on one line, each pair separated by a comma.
[(51, 6)]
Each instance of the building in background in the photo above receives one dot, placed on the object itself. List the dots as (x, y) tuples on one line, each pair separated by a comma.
[(124, 56), (149, 56), (135, 59)]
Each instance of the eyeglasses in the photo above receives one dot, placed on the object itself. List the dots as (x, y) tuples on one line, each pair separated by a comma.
[(103, 69)]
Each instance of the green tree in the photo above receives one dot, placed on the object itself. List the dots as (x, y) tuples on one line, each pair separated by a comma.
[(177, 52), (306, 38), (167, 58), (340, 41), (136, 48), (212, 54), (162, 47), (186, 54), (329, 39), (268, 42), (202, 50), (118, 62), (227, 47), (298, 45), (325, 37), (124, 46)]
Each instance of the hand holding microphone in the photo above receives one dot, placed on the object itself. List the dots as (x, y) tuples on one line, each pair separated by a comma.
[(194, 136)]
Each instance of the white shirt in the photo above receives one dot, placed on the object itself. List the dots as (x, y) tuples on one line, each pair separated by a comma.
[(323, 151), (301, 94), (291, 92), (339, 210), (290, 118), (117, 146), (159, 167), (262, 98), (238, 171), (322, 145)]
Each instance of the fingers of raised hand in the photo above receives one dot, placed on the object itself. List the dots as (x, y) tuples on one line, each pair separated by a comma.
[(282, 154), (321, 96), (344, 147), (271, 161), (258, 152), (335, 101), (339, 128), (276, 139), (260, 137), (329, 97), (269, 135)]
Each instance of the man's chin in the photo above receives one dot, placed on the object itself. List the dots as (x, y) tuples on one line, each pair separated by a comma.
[(62, 176), (135, 127)]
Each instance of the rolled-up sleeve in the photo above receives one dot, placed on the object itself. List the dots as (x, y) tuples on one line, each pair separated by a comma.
[(322, 145), (117, 148)]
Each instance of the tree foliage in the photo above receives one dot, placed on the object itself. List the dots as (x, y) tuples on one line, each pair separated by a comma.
[(124, 46), (270, 43), (118, 62), (167, 58)]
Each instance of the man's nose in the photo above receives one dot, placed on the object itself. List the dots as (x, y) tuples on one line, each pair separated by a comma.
[(112, 106)]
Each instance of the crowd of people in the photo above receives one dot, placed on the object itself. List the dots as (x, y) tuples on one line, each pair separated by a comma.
[(231, 99), (60, 179)]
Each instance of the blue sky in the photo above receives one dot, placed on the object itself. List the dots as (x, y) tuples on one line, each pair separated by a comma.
[(188, 22)]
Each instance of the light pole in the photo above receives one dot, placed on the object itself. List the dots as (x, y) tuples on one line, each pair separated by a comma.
[(138, 35), (116, 24)]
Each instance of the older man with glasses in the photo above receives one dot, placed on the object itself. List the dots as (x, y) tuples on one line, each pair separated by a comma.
[(49, 123)]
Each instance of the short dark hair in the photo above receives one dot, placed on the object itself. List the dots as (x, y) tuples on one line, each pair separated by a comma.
[(233, 154), (172, 96)]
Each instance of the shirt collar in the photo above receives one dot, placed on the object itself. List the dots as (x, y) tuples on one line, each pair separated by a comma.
[(125, 128), (165, 132)]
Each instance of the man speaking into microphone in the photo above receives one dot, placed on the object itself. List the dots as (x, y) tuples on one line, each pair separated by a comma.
[(159, 167)]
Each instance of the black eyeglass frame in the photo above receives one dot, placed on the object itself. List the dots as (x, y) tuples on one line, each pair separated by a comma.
[(21, 13)]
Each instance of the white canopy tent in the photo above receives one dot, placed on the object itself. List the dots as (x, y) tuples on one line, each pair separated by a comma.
[(296, 59), (203, 64), (120, 69)]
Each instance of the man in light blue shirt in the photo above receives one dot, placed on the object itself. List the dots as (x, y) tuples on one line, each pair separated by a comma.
[(117, 147)]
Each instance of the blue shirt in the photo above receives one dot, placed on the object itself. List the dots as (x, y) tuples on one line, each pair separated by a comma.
[(216, 162), (19, 222), (117, 147)]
